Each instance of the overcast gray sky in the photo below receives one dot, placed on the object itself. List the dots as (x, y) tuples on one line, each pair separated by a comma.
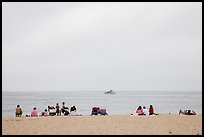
[(102, 46)]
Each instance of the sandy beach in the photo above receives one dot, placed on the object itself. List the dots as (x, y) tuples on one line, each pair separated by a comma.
[(166, 124)]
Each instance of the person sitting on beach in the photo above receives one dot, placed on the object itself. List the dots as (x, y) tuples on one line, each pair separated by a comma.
[(73, 111), (187, 112), (103, 112), (34, 112), (139, 111), (73, 108), (58, 112), (64, 109), (151, 110), (45, 113), (191, 113), (95, 111), (18, 111), (145, 111), (51, 110)]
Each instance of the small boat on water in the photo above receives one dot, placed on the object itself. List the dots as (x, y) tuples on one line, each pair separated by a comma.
[(110, 92)]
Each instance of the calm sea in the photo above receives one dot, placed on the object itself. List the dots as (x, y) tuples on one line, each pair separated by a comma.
[(121, 103)]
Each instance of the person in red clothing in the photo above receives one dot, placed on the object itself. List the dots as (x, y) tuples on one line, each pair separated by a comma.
[(95, 111), (139, 111), (58, 111), (151, 110)]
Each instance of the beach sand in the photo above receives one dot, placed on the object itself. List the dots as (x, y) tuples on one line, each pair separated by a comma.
[(166, 124)]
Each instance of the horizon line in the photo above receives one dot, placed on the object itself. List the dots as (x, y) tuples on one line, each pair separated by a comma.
[(101, 90)]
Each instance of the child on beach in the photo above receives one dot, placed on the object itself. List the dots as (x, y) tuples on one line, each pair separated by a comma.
[(18, 111), (45, 113), (145, 111)]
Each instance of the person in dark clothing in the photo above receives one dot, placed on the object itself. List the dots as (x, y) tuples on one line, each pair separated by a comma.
[(18, 111), (64, 109), (95, 111), (187, 112), (73, 108), (151, 110)]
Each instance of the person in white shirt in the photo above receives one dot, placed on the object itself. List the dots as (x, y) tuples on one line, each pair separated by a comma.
[(51, 110), (146, 112)]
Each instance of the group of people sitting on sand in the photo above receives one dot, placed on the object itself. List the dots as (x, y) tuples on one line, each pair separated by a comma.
[(51, 111), (187, 112), (145, 111), (98, 111), (64, 110)]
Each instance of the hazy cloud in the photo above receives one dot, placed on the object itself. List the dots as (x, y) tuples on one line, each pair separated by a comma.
[(100, 46)]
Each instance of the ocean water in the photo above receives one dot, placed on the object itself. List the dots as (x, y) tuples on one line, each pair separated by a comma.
[(121, 103)]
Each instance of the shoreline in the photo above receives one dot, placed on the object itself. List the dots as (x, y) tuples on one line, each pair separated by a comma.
[(163, 124)]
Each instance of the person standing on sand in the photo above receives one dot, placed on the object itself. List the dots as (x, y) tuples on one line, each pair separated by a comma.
[(58, 110), (18, 111)]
